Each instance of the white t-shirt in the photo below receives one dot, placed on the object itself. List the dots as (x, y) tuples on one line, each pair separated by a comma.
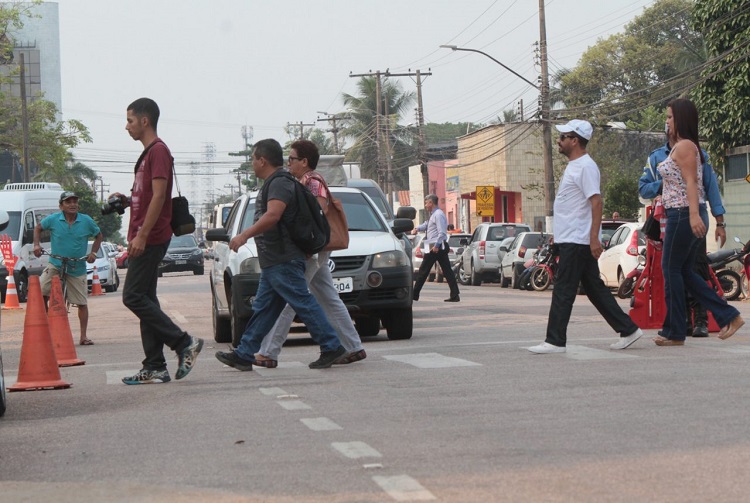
[(579, 182)]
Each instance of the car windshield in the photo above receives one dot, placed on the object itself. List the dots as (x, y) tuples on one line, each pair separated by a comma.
[(360, 214), (456, 240), (377, 198), (186, 241), (500, 232)]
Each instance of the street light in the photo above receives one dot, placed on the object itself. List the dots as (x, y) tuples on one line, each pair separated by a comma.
[(549, 179)]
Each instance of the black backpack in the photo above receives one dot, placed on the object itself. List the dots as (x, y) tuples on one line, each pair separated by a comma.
[(308, 228)]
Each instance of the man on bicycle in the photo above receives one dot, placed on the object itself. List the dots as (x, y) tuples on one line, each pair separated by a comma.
[(69, 236)]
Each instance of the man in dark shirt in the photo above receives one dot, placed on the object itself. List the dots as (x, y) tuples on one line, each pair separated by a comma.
[(282, 263)]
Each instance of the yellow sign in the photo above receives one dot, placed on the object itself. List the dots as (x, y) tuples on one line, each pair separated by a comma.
[(747, 178), (485, 200)]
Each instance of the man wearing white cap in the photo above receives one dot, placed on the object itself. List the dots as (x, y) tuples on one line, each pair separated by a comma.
[(577, 231)]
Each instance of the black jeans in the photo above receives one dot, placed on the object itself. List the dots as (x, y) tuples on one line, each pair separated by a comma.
[(441, 257), (578, 265), (139, 295)]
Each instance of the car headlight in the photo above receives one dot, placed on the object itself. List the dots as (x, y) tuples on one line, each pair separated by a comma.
[(198, 252), (394, 258), (168, 256), (103, 268), (250, 265)]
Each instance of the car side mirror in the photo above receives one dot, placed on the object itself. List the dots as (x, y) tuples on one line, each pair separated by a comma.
[(406, 212), (401, 225), (218, 234), (503, 248), (737, 240)]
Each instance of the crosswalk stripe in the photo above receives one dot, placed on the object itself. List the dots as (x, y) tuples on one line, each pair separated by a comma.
[(356, 450), (320, 424), (403, 488), (431, 360)]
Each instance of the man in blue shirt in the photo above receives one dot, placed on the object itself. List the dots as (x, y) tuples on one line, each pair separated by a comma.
[(69, 237), (650, 185), (436, 238)]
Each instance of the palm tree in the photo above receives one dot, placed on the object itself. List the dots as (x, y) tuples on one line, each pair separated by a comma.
[(71, 174), (360, 128)]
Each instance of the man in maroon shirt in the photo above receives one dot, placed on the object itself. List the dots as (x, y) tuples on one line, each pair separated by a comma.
[(149, 234)]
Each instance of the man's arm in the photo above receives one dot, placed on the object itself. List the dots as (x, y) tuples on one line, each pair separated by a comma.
[(270, 218), (159, 189), (596, 223), (95, 248), (37, 237), (711, 188), (649, 185)]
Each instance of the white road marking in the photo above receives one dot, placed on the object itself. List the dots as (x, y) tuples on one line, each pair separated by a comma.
[(320, 424), (403, 488), (431, 361), (356, 450), (272, 391), (586, 353), (293, 404), (178, 316)]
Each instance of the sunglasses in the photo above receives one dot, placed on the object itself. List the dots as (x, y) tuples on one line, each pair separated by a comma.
[(563, 136)]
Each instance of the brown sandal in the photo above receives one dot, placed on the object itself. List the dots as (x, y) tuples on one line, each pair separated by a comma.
[(264, 361), (663, 341), (732, 328)]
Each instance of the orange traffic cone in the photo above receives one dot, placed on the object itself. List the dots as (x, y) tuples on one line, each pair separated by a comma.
[(96, 287), (59, 327), (38, 367), (11, 295)]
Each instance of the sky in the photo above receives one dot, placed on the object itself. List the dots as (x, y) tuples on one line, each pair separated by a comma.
[(216, 66)]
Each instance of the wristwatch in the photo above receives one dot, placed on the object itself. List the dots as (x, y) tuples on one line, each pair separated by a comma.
[(721, 224)]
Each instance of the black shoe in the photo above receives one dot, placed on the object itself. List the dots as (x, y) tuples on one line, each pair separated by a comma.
[(700, 331), (235, 361), (415, 296), (453, 299), (328, 358)]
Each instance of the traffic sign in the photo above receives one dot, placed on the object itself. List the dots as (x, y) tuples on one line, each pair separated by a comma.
[(485, 200)]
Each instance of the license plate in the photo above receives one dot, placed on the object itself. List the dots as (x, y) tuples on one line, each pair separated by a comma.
[(180, 262), (343, 285)]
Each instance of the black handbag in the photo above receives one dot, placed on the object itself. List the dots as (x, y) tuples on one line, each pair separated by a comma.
[(182, 221), (652, 228)]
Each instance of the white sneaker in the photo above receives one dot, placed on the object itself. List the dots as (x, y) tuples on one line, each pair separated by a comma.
[(624, 342), (545, 348)]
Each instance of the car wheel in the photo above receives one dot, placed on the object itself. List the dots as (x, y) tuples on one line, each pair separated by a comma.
[(198, 272), (2, 388), (463, 277), (504, 282), (22, 287), (222, 326), (117, 282), (399, 324), (367, 327), (514, 279), (476, 279)]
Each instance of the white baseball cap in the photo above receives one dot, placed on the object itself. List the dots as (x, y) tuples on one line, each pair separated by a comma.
[(579, 127)]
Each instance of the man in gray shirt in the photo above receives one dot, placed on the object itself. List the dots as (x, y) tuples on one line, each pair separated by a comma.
[(282, 279), (437, 239)]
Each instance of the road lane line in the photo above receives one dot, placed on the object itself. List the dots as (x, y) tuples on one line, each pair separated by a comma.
[(320, 424), (272, 391), (356, 450), (403, 488), (431, 360), (293, 404)]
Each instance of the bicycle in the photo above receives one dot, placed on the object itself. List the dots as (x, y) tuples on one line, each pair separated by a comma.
[(63, 272)]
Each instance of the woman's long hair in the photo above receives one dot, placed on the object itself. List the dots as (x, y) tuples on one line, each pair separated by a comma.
[(685, 118)]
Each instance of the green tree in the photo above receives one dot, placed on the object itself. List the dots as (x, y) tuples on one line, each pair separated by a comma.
[(723, 98), (447, 131), (323, 141), (643, 66), (360, 129)]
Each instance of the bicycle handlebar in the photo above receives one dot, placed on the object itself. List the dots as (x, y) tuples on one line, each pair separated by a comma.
[(64, 259)]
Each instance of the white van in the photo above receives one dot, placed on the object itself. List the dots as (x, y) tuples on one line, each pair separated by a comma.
[(27, 204)]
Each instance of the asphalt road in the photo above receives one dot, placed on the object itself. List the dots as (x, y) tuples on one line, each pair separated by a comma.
[(459, 413)]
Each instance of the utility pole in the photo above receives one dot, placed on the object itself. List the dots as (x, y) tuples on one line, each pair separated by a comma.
[(332, 118), (24, 122), (301, 128), (422, 151), (549, 177)]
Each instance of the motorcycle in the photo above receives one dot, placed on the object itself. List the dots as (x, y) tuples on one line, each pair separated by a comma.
[(730, 281), (543, 274), (628, 285)]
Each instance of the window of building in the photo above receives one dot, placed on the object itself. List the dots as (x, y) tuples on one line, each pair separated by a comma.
[(737, 167)]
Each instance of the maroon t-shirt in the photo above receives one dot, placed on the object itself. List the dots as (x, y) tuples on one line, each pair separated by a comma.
[(157, 163)]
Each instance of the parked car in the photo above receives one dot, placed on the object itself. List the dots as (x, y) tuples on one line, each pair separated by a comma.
[(503, 248), (183, 254), (454, 241), (521, 250), (609, 227), (373, 276), (479, 260), (122, 259), (620, 255), (106, 268)]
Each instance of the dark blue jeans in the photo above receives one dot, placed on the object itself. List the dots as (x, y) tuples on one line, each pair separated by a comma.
[(677, 262), (578, 265), (139, 295), (280, 285)]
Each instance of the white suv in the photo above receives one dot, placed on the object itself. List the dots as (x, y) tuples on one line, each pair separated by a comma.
[(479, 261)]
